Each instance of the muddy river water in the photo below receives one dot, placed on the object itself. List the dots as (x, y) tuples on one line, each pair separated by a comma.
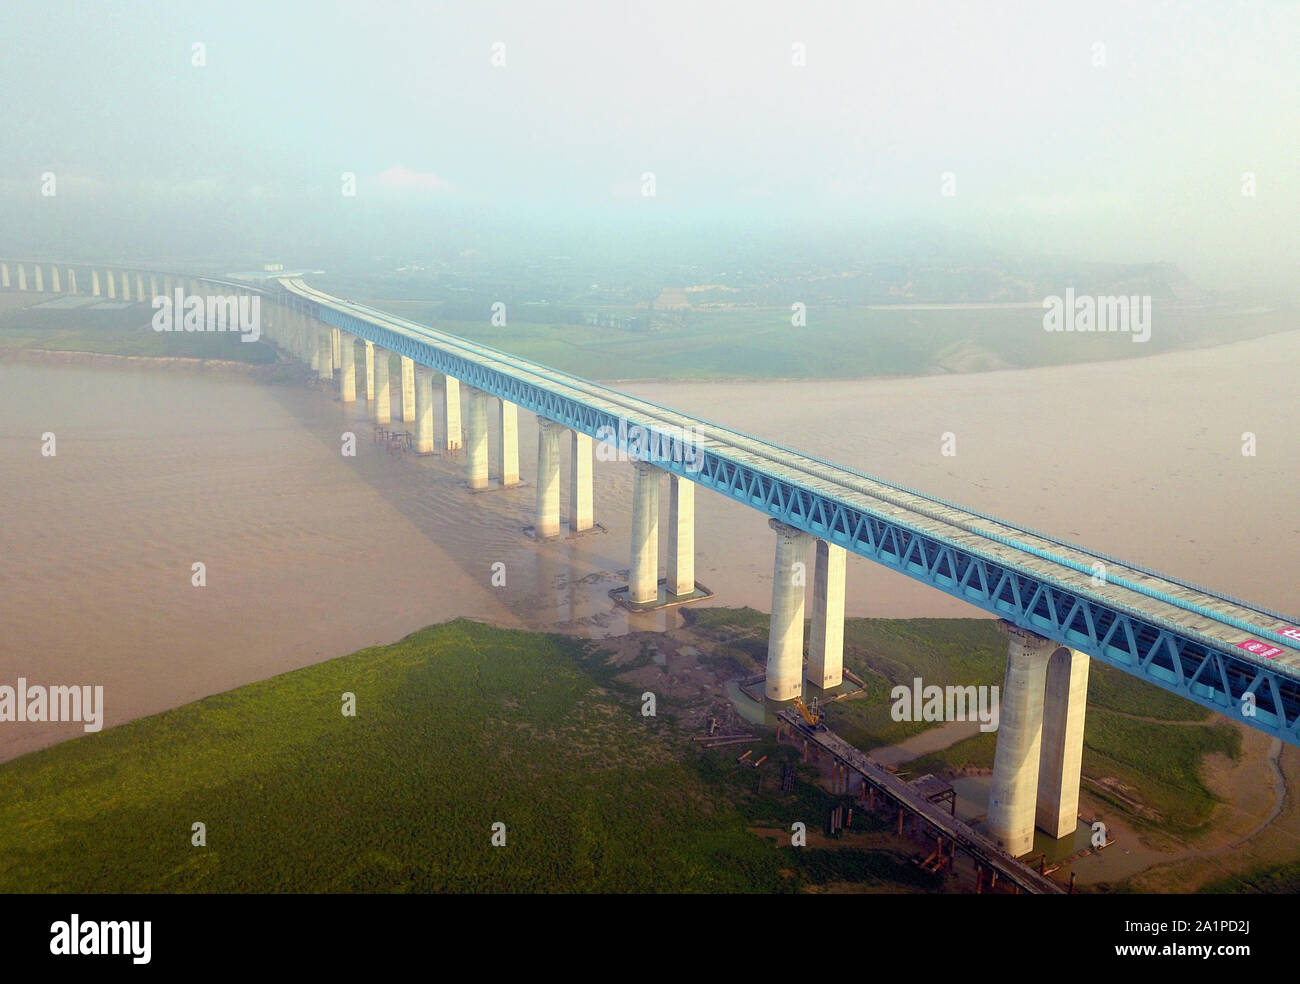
[(309, 554)]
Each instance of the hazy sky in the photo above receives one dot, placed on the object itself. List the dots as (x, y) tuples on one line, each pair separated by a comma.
[(1134, 151)]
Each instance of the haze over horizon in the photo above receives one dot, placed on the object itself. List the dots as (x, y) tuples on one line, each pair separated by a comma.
[(1133, 152)]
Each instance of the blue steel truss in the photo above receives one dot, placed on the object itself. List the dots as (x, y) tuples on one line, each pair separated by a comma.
[(1178, 660)]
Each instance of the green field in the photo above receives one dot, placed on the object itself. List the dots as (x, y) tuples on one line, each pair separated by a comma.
[(838, 342), (458, 727), (121, 331)]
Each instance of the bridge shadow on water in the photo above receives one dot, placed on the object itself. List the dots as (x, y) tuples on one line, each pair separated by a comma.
[(485, 537)]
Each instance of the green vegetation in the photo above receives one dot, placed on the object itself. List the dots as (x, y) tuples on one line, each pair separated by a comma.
[(1143, 746), (839, 341), (458, 726), (1278, 879), (121, 331), (884, 653), (1162, 762)]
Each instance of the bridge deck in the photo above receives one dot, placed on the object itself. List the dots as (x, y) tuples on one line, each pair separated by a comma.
[(1217, 620)]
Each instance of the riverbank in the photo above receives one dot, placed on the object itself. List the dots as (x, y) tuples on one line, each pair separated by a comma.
[(72, 357)]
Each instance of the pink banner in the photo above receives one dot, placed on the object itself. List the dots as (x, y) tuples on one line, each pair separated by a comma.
[(1257, 648)]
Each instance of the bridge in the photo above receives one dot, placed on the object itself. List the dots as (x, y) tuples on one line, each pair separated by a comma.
[(1062, 604)]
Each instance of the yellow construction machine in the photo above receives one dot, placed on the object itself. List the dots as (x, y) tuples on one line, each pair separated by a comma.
[(813, 715)]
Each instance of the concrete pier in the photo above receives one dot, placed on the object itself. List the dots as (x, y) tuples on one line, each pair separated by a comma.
[(347, 368), (39, 277), (111, 283), (370, 371), (94, 284), (826, 643), (643, 574), (337, 342), (1064, 704), (4, 275), (408, 390), (325, 354), (126, 285), (423, 410), (139, 287), (383, 392), (476, 435), (72, 281), (1014, 794), (681, 535), (547, 525), (785, 633), (54, 280), (582, 514), (451, 411), (22, 277), (507, 464), (153, 286)]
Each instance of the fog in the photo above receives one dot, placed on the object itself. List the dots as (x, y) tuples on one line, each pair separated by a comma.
[(1116, 132)]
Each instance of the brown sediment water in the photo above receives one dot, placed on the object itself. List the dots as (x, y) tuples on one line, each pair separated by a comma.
[(1141, 459), (311, 555)]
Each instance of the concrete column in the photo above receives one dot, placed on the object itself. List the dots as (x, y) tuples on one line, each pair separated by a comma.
[(785, 633), (370, 371), (826, 644), (383, 410), (1013, 797), (325, 353), (94, 283), (1064, 704), (22, 277), (451, 411), (153, 286), (337, 341), (581, 509), (126, 285), (408, 390), (423, 409), (643, 575), (508, 445), (4, 275), (111, 282), (54, 280), (681, 536), (476, 439), (139, 287), (347, 350), (548, 479), (39, 277), (72, 281)]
